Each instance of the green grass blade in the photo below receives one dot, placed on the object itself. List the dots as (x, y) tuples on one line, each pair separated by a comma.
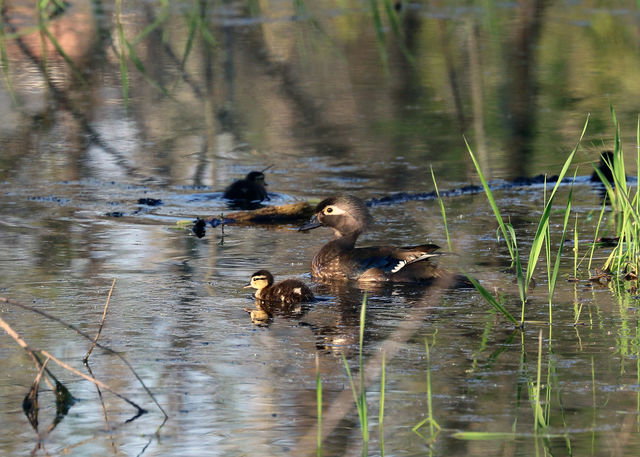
[(538, 239), (485, 436), (492, 201), (492, 300), (556, 266), (442, 210), (363, 393), (595, 237)]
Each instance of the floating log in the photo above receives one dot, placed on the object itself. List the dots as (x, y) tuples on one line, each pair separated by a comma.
[(268, 215)]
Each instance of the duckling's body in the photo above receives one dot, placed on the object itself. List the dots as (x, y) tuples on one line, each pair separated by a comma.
[(348, 216), (605, 166), (287, 292), (251, 189)]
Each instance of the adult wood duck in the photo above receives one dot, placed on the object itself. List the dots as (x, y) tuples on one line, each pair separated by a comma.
[(287, 292), (251, 189), (348, 216)]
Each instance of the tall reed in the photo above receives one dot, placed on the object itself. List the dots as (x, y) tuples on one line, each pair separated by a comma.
[(524, 276)]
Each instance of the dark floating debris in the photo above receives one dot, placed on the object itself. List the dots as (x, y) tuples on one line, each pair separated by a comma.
[(608, 241), (50, 199), (150, 201), (601, 277), (402, 197), (199, 227), (114, 214)]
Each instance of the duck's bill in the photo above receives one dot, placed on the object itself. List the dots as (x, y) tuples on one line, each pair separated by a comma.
[(248, 286), (313, 223)]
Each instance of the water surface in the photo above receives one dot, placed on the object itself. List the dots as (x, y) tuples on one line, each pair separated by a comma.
[(333, 104)]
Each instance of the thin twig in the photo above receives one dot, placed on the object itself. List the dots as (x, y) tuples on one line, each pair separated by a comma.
[(104, 315), (85, 335), (7, 328), (89, 378)]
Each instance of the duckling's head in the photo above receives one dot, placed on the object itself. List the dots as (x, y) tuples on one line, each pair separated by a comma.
[(345, 214), (260, 279), (256, 177)]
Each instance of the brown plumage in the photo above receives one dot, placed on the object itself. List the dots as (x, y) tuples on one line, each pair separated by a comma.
[(287, 292), (348, 216)]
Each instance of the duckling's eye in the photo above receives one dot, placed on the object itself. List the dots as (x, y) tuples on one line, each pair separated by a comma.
[(328, 210)]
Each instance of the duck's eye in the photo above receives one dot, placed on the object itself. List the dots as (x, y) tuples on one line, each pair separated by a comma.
[(328, 210)]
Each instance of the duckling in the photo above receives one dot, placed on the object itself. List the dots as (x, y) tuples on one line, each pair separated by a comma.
[(348, 216), (287, 292), (251, 189)]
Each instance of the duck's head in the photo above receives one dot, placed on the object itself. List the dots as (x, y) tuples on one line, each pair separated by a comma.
[(256, 177), (260, 279), (345, 214)]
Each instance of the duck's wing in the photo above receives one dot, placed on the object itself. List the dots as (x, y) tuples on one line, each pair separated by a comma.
[(392, 260)]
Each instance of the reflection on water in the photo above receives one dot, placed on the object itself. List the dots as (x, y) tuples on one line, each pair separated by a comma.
[(186, 98)]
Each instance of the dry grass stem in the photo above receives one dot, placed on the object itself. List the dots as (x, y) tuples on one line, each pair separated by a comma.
[(7, 328), (85, 335), (104, 315), (93, 380)]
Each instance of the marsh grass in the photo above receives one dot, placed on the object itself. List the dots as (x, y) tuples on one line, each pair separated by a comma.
[(625, 206), (442, 210), (524, 276)]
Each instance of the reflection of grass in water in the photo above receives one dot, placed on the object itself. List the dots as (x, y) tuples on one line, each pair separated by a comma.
[(434, 427), (4, 60), (319, 405), (46, 11), (381, 412), (360, 395), (124, 78)]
